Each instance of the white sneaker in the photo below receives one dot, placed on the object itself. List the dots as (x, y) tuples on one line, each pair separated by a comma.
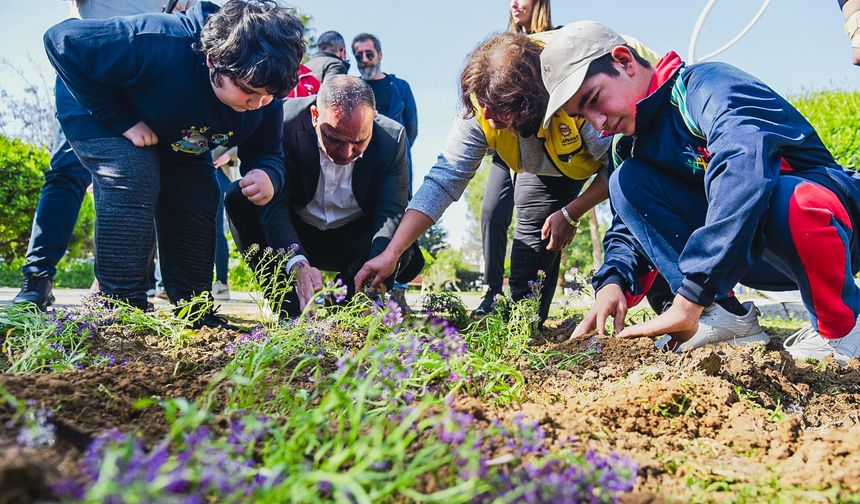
[(718, 325), (220, 290), (807, 343)]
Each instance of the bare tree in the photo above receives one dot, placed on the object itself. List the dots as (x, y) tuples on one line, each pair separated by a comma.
[(29, 113)]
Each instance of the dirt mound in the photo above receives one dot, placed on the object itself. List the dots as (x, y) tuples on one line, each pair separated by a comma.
[(716, 419), (93, 400)]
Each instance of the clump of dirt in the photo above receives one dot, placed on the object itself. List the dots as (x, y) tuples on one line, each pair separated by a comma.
[(24, 473), (205, 347), (82, 405)]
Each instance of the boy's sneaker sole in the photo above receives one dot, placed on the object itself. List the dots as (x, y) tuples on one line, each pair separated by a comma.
[(761, 337)]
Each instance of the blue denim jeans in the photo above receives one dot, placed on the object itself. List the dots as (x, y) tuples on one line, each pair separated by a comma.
[(133, 186), (57, 211)]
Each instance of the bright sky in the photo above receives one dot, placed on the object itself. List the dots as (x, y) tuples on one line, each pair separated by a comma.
[(797, 45)]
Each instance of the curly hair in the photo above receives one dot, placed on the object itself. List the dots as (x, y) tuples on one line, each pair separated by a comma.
[(503, 73), (257, 42)]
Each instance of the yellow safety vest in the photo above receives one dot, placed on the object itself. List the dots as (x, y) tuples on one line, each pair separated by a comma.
[(562, 141), (562, 144)]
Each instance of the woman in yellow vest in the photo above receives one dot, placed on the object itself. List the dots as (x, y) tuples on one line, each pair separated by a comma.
[(526, 17), (568, 151)]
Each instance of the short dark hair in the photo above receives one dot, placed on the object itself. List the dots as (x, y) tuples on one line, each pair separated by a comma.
[(603, 64), (361, 37), (330, 42), (257, 42), (345, 93), (504, 73)]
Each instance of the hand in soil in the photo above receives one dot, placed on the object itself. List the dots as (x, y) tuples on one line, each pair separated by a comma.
[(680, 321), (609, 302), (374, 272)]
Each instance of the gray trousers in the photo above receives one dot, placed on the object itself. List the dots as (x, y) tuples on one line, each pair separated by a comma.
[(134, 186)]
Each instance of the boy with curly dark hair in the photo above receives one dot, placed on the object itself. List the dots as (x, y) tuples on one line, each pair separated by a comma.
[(145, 98)]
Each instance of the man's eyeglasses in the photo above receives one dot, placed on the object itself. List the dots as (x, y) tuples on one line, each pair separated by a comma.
[(365, 55)]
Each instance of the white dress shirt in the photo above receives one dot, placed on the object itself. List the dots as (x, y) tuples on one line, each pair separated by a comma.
[(334, 203)]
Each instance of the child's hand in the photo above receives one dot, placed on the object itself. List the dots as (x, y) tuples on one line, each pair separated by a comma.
[(257, 187), (680, 321), (141, 135), (609, 302)]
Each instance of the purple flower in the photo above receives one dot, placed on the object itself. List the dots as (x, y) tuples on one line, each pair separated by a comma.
[(257, 335), (340, 290), (454, 427), (595, 478), (108, 358), (37, 431), (393, 314)]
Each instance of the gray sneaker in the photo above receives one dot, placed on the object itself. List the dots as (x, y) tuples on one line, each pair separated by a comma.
[(807, 343), (718, 325)]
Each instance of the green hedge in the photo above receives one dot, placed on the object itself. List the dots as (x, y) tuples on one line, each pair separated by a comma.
[(22, 168), (836, 117)]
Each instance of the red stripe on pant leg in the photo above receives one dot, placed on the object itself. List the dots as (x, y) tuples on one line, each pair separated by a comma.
[(646, 281), (811, 211)]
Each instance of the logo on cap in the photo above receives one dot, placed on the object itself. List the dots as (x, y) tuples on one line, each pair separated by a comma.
[(547, 70)]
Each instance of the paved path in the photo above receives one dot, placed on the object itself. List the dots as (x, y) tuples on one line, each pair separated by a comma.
[(776, 304), (240, 303)]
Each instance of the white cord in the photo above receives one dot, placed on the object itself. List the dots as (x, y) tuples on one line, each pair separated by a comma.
[(691, 52)]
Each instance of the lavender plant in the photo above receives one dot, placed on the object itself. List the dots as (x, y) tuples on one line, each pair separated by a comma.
[(30, 423)]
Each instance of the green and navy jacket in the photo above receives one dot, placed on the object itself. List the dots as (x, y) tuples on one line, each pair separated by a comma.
[(713, 125)]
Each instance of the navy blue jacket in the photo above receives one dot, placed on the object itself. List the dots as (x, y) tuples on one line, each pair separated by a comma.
[(715, 126), (119, 71), (402, 107)]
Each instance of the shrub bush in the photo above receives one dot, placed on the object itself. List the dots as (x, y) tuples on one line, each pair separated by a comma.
[(74, 273), (836, 117), (21, 175), (22, 168)]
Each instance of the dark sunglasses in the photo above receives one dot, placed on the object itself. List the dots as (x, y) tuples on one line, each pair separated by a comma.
[(368, 55)]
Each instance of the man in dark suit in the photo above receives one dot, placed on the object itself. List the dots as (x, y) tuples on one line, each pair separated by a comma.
[(345, 190)]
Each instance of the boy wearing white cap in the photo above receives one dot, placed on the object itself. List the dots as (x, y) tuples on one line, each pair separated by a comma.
[(720, 181)]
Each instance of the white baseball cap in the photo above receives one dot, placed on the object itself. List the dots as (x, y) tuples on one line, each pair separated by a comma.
[(565, 59)]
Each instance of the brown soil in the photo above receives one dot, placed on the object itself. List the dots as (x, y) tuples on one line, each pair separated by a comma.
[(715, 424)]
